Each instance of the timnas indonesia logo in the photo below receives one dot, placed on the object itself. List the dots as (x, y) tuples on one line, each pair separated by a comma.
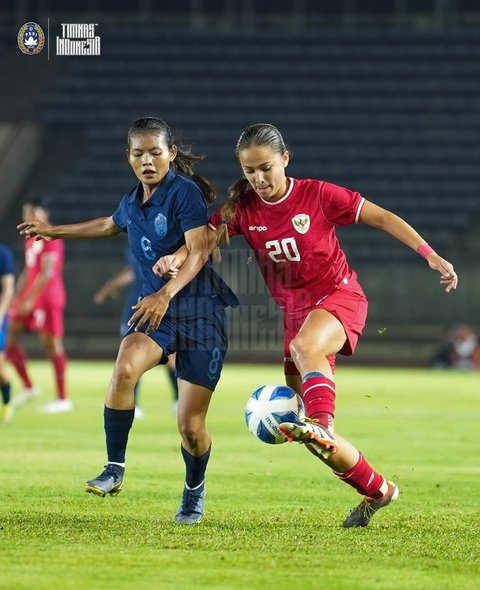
[(78, 39), (31, 39)]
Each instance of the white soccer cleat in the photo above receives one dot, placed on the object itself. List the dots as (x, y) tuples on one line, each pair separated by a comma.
[(24, 396), (314, 436), (6, 414), (57, 406)]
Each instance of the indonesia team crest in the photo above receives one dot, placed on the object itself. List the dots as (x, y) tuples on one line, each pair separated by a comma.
[(31, 39), (301, 223)]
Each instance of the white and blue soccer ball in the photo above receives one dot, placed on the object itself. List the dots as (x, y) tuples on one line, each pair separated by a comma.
[(269, 406)]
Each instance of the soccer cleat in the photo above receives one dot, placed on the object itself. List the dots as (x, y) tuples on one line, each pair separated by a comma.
[(368, 507), (110, 481), (191, 506), (57, 406), (24, 396), (313, 435), (6, 414)]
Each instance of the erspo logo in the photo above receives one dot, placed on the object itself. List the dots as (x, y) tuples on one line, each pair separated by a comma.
[(31, 38)]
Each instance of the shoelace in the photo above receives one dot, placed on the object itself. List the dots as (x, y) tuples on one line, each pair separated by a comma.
[(190, 500), (107, 473)]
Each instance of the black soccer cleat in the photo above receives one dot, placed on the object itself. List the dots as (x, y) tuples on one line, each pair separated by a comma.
[(110, 481), (368, 507)]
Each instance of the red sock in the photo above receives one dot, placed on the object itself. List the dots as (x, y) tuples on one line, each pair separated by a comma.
[(363, 478), (319, 398), (59, 363), (18, 359)]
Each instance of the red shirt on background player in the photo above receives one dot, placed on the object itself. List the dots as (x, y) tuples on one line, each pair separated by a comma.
[(38, 306), (290, 225)]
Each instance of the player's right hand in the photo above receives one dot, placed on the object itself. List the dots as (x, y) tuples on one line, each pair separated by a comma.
[(34, 229), (167, 265)]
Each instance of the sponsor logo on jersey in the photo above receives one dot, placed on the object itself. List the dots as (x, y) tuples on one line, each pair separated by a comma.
[(257, 227), (31, 39), (301, 223), (78, 39)]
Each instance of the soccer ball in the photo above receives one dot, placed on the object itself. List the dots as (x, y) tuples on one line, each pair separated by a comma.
[(269, 406)]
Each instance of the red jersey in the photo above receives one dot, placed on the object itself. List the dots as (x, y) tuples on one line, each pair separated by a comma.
[(294, 239), (35, 251)]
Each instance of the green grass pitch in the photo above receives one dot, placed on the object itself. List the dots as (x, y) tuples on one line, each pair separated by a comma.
[(273, 513)]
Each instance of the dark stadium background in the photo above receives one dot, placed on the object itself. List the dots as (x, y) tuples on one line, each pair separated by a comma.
[(380, 96)]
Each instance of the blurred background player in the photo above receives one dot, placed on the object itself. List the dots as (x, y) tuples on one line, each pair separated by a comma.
[(129, 276), (38, 306), (460, 350), (7, 286)]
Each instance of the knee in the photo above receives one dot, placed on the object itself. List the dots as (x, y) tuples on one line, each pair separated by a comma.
[(301, 348), (191, 432), (124, 373)]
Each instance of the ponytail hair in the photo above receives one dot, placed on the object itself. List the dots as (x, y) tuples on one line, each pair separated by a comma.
[(228, 210), (184, 160)]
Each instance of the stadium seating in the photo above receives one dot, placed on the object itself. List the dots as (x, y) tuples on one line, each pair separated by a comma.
[(390, 112)]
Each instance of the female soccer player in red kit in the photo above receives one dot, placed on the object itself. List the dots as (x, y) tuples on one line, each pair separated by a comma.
[(38, 306), (290, 225)]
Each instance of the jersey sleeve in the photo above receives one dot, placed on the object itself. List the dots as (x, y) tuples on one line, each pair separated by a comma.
[(340, 205), (6, 262), (215, 222), (120, 215), (190, 207)]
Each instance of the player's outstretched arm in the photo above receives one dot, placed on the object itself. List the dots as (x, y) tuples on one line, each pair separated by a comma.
[(110, 288), (102, 227), (169, 265), (387, 221)]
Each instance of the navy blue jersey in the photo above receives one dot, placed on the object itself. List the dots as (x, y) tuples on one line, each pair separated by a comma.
[(156, 228), (6, 261)]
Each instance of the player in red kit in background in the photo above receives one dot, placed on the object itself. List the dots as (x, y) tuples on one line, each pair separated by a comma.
[(290, 225), (38, 306)]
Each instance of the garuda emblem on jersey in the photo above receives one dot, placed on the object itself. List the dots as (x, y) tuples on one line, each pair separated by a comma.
[(301, 223)]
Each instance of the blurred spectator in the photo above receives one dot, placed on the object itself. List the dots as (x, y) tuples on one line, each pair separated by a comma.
[(460, 351)]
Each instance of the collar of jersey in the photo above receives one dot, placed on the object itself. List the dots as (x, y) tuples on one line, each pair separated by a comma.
[(285, 196), (159, 192)]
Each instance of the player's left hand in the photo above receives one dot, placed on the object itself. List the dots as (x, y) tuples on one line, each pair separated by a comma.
[(167, 265), (448, 275), (150, 309)]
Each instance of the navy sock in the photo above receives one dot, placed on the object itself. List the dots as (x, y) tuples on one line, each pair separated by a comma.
[(195, 467), (173, 380), (117, 426), (5, 393)]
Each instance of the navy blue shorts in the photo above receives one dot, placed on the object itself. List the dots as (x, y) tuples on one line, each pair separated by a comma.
[(200, 344)]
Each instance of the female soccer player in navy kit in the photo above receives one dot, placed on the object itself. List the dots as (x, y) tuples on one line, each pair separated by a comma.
[(290, 225), (185, 314)]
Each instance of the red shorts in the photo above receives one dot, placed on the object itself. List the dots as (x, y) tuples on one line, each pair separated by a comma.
[(347, 302), (46, 319)]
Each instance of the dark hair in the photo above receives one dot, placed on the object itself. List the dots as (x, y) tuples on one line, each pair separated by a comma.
[(184, 160), (258, 135)]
